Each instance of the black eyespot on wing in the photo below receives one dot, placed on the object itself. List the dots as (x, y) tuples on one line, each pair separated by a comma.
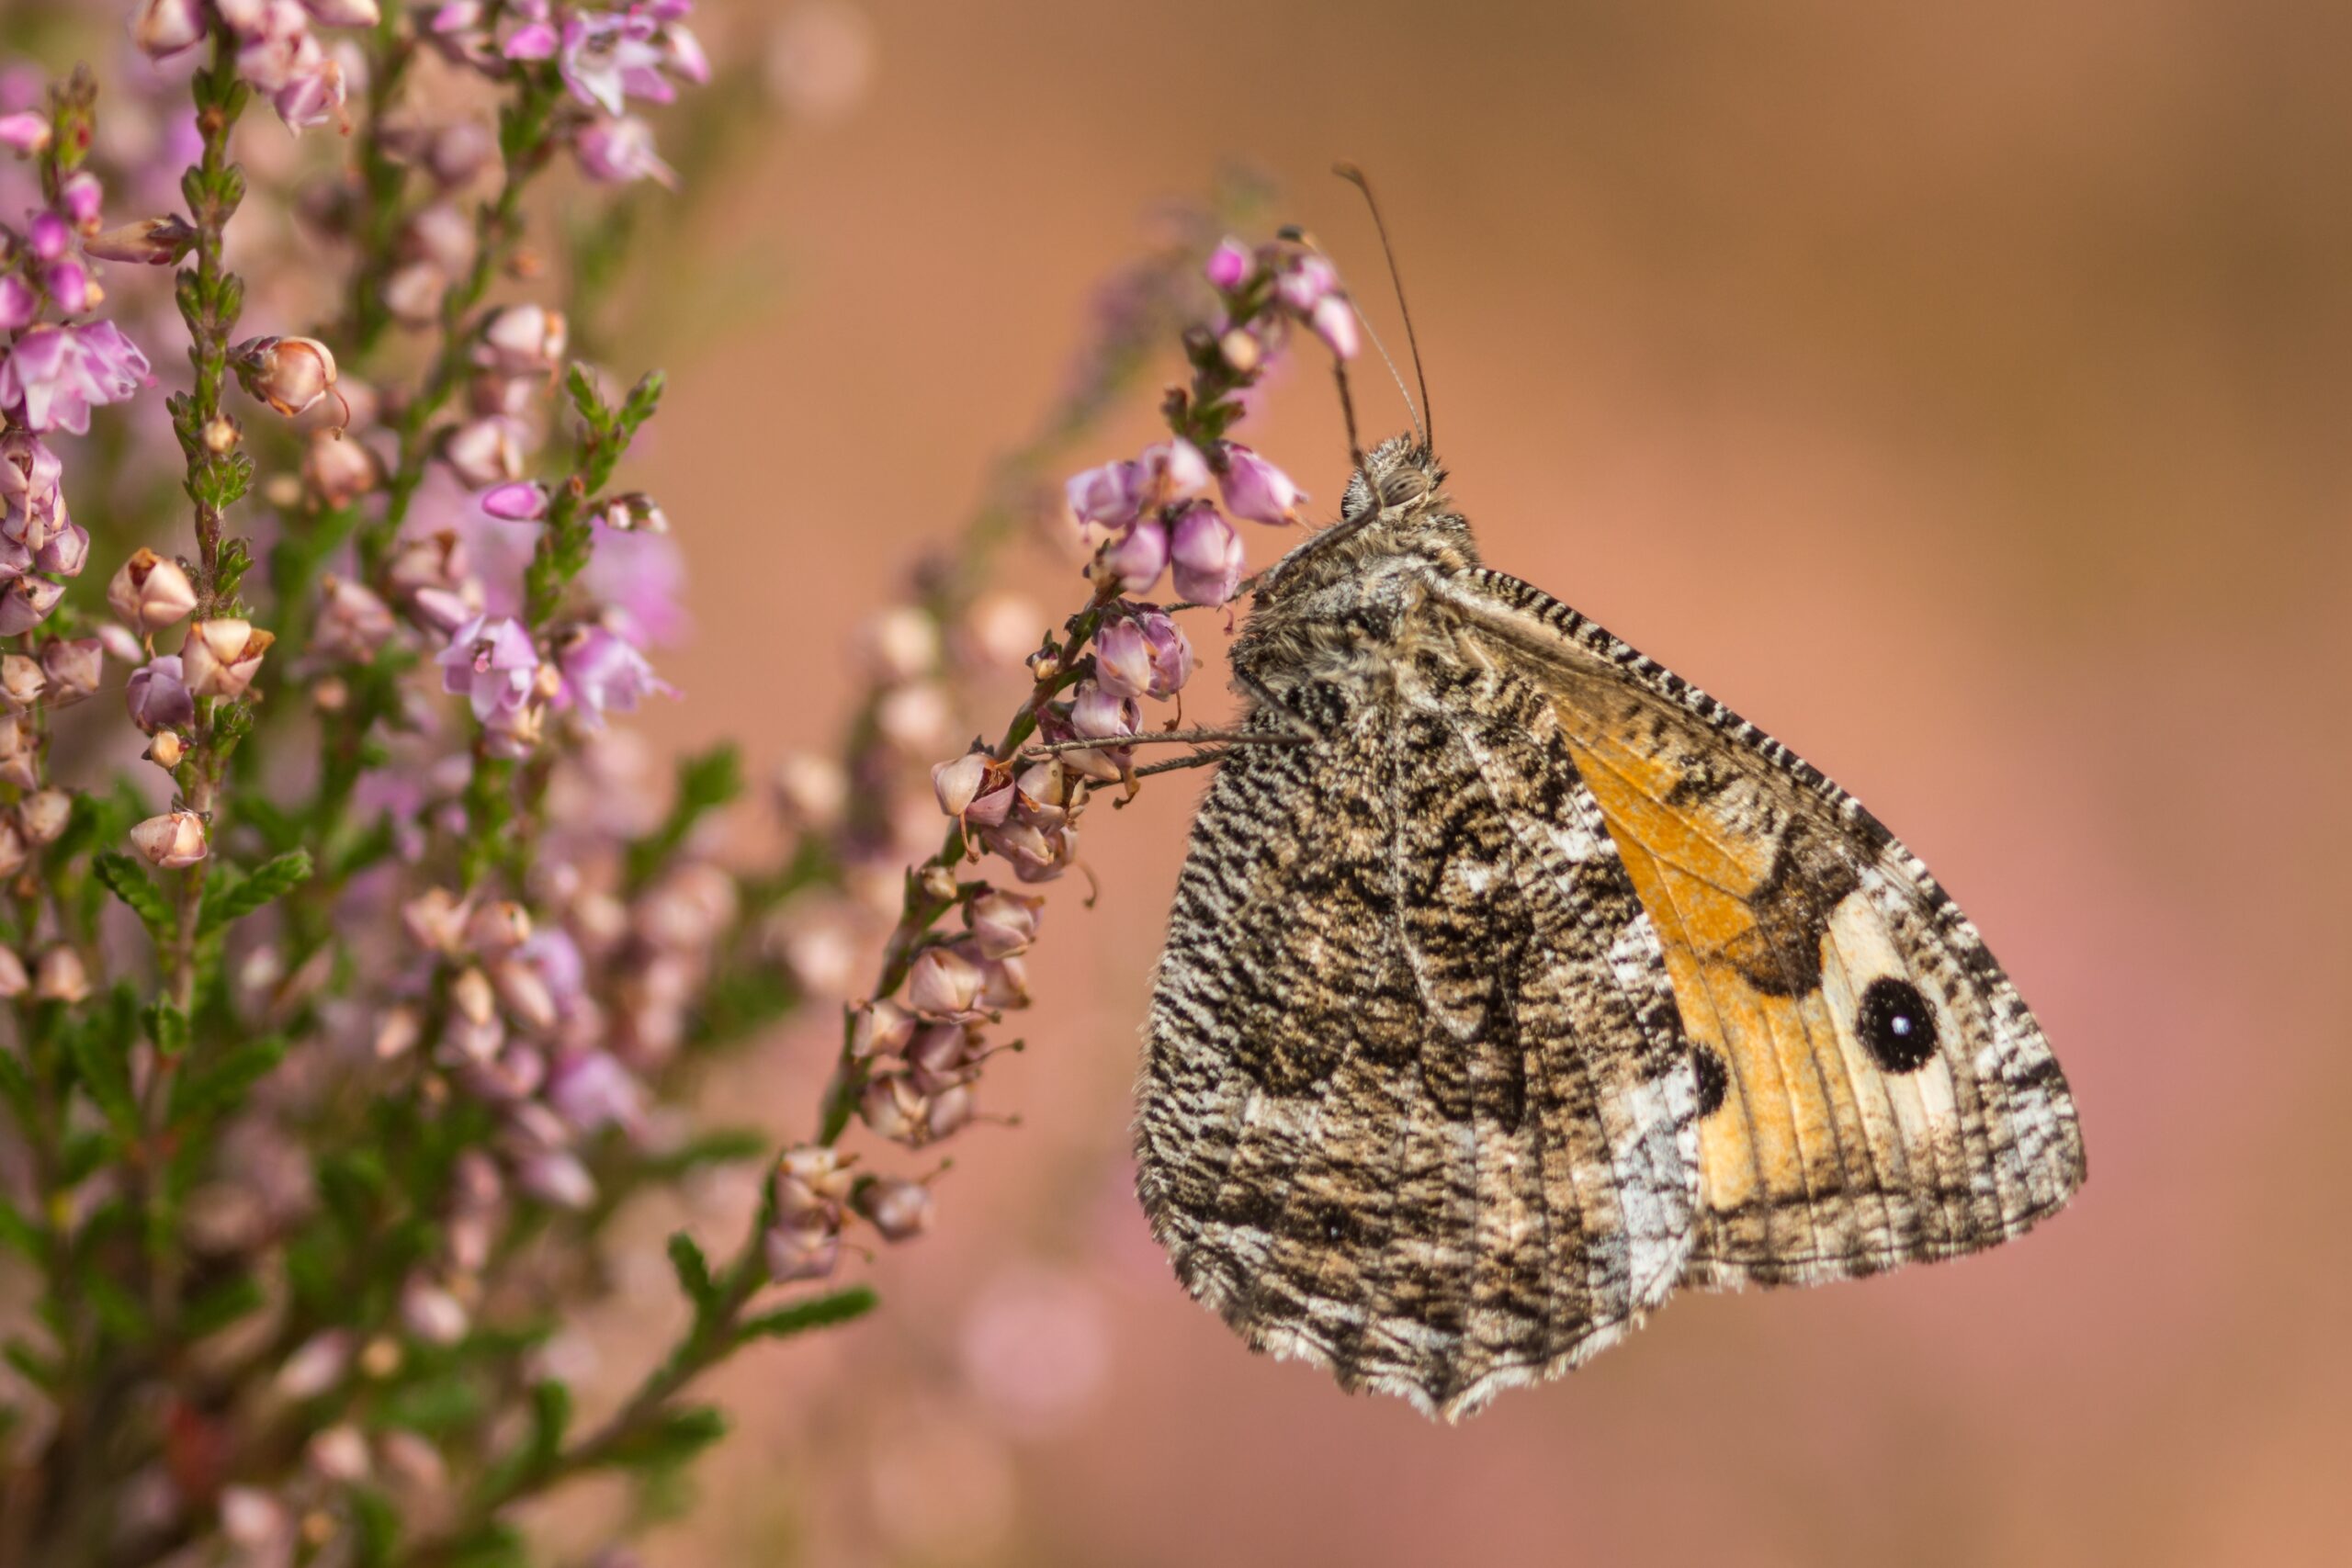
[(1896, 1025), (1714, 1083)]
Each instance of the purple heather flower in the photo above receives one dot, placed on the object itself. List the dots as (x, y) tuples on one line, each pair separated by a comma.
[(1255, 489), (491, 662), (80, 198), (66, 551), (1207, 555), (1170, 651), (1123, 659), (1169, 471), (353, 621), (27, 603), (518, 501), (1334, 320), (1137, 560), (1229, 265), (619, 151), (592, 1090), (603, 671), (53, 374), (641, 580), (532, 40), (49, 235), (611, 56), (24, 132), (19, 303), (1105, 495), (1306, 281), (1097, 713)]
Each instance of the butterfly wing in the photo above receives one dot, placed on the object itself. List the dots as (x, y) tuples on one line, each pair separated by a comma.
[(1415, 1104), (1873, 1089)]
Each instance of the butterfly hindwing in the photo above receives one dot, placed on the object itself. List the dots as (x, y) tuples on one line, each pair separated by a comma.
[(1415, 1102), (1874, 1090)]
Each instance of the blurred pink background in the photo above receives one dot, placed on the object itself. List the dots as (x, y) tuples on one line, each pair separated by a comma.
[(1965, 394)]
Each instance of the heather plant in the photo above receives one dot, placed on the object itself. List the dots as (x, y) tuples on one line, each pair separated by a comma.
[(357, 975)]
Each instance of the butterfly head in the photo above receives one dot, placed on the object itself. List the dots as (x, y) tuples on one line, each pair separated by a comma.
[(1399, 476)]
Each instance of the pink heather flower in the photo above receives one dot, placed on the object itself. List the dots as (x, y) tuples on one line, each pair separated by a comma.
[(221, 657), (491, 663), (1122, 659), (1207, 555), (32, 506), (1255, 489), (353, 621), (50, 236), (532, 40), (65, 552), (1306, 282), (313, 97), (164, 27), (150, 592), (682, 53), (27, 603), (1169, 472), (1136, 560), (1334, 320), (603, 671), (55, 375), (944, 985), (484, 452), (74, 667), (158, 697), (641, 580), (611, 56), (24, 132), (68, 283), (897, 1208), (592, 1090), (80, 198), (343, 13), (19, 303), (172, 841), (1105, 495), (619, 151), (518, 501), (522, 340), (1099, 714), (1229, 265), (1171, 653), (1003, 924)]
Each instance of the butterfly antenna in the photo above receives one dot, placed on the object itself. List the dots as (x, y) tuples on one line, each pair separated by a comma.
[(1355, 177)]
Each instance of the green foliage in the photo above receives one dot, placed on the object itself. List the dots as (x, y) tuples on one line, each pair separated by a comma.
[(231, 896), (707, 781), (819, 1312), (694, 1274), (211, 1091), (129, 881)]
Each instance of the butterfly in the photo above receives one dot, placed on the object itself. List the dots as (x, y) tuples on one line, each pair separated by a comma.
[(1514, 983)]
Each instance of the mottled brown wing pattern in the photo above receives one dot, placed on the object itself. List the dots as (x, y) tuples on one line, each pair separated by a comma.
[(1874, 1090), (1415, 1102)]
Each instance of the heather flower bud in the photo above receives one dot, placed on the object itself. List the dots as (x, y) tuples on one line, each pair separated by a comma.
[(221, 658), (633, 512), (162, 27), (1003, 923), (44, 814), (25, 603), (68, 282), (13, 848), (339, 471), (353, 624), (806, 1247), (22, 679), (522, 340), (944, 985), (19, 303), (157, 697), (484, 452), (59, 977), (14, 981), (290, 374), (432, 1314), (897, 1208), (151, 242), (316, 1366), (521, 500), (558, 1178), (1207, 555), (810, 790), (74, 667), (1137, 558), (80, 197), (150, 592), (1257, 489), (175, 839), (1229, 265), (1241, 350)]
